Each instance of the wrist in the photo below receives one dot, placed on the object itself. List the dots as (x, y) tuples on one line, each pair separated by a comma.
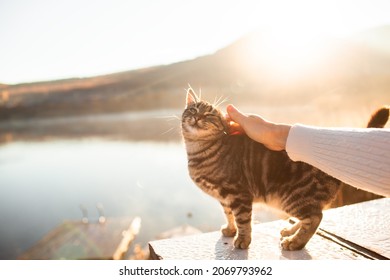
[(281, 132)]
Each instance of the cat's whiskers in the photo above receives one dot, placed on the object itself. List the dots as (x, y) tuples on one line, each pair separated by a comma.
[(219, 101), (169, 130), (216, 100), (174, 128), (169, 118)]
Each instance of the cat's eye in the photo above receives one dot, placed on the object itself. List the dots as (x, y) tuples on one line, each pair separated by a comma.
[(193, 110), (210, 115)]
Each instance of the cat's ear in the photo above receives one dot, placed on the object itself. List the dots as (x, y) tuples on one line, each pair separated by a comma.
[(191, 97)]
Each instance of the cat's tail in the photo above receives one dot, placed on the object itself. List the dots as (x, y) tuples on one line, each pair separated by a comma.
[(379, 118)]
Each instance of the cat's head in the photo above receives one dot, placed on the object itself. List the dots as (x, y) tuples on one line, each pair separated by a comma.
[(201, 120)]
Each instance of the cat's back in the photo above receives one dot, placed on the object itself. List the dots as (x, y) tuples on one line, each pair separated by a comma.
[(237, 164), (289, 185), (272, 174)]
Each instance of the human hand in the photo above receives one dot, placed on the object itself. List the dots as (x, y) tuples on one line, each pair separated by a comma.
[(271, 135)]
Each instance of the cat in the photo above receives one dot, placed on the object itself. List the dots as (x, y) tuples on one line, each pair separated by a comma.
[(238, 171)]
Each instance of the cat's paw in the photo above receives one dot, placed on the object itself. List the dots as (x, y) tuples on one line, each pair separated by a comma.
[(228, 232), (242, 242), (285, 232), (292, 243), (291, 230)]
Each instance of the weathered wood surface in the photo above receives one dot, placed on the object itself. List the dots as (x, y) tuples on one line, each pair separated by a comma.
[(359, 231), (364, 224), (78, 240)]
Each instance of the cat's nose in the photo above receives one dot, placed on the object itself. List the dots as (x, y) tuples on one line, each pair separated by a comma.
[(200, 117)]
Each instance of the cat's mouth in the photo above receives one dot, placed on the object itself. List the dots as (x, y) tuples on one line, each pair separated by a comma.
[(197, 123)]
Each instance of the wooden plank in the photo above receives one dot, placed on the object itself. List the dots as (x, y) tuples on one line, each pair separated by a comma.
[(128, 237), (367, 225), (78, 240), (265, 245)]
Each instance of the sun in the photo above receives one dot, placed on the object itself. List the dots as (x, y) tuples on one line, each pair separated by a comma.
[(288, 52), (296, 39), (294, 50)]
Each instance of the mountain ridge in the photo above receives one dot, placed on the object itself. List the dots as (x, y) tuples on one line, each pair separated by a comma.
[(230, 71)]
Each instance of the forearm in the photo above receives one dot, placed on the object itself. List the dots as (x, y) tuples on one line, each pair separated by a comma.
[(359, 157)]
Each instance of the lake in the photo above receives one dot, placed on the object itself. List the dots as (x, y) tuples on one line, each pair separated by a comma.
[(44, 183)]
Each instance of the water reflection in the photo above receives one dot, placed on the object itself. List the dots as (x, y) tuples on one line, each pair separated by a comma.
[(156, 125), (44, 183)]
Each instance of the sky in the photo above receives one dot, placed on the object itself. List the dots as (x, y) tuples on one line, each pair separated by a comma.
[(47, 39)]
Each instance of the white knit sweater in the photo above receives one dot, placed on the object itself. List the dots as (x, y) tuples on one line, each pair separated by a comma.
[(358, 157)]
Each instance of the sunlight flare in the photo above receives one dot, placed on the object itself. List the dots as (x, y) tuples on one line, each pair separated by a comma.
[(287, 52)]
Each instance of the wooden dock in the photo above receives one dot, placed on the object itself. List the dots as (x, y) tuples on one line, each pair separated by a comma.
[(80, 240), (358, 231)]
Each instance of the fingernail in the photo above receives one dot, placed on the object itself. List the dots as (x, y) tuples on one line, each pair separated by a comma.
[(231, 108)]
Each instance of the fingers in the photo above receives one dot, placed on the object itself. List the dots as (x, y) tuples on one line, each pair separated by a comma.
[(235, 118), (235, 129), (235, 115)]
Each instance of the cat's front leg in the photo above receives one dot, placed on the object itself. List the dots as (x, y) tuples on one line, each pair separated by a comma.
[(228, 230), (242, 211), (298, 240)]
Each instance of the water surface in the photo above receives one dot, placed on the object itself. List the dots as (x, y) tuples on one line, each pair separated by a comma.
[(44, 183)]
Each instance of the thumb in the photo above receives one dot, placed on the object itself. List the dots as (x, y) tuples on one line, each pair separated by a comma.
[(235, 115)]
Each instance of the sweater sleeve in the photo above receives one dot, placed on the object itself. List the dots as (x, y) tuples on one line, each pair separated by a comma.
[(358, 157)]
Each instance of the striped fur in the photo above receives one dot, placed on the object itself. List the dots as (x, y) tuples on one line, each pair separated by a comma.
[(238, 171)]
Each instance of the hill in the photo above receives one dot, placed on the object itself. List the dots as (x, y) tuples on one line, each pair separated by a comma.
[(249, 72)]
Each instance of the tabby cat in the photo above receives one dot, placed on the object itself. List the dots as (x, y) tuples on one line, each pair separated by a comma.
[(238, 171)]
